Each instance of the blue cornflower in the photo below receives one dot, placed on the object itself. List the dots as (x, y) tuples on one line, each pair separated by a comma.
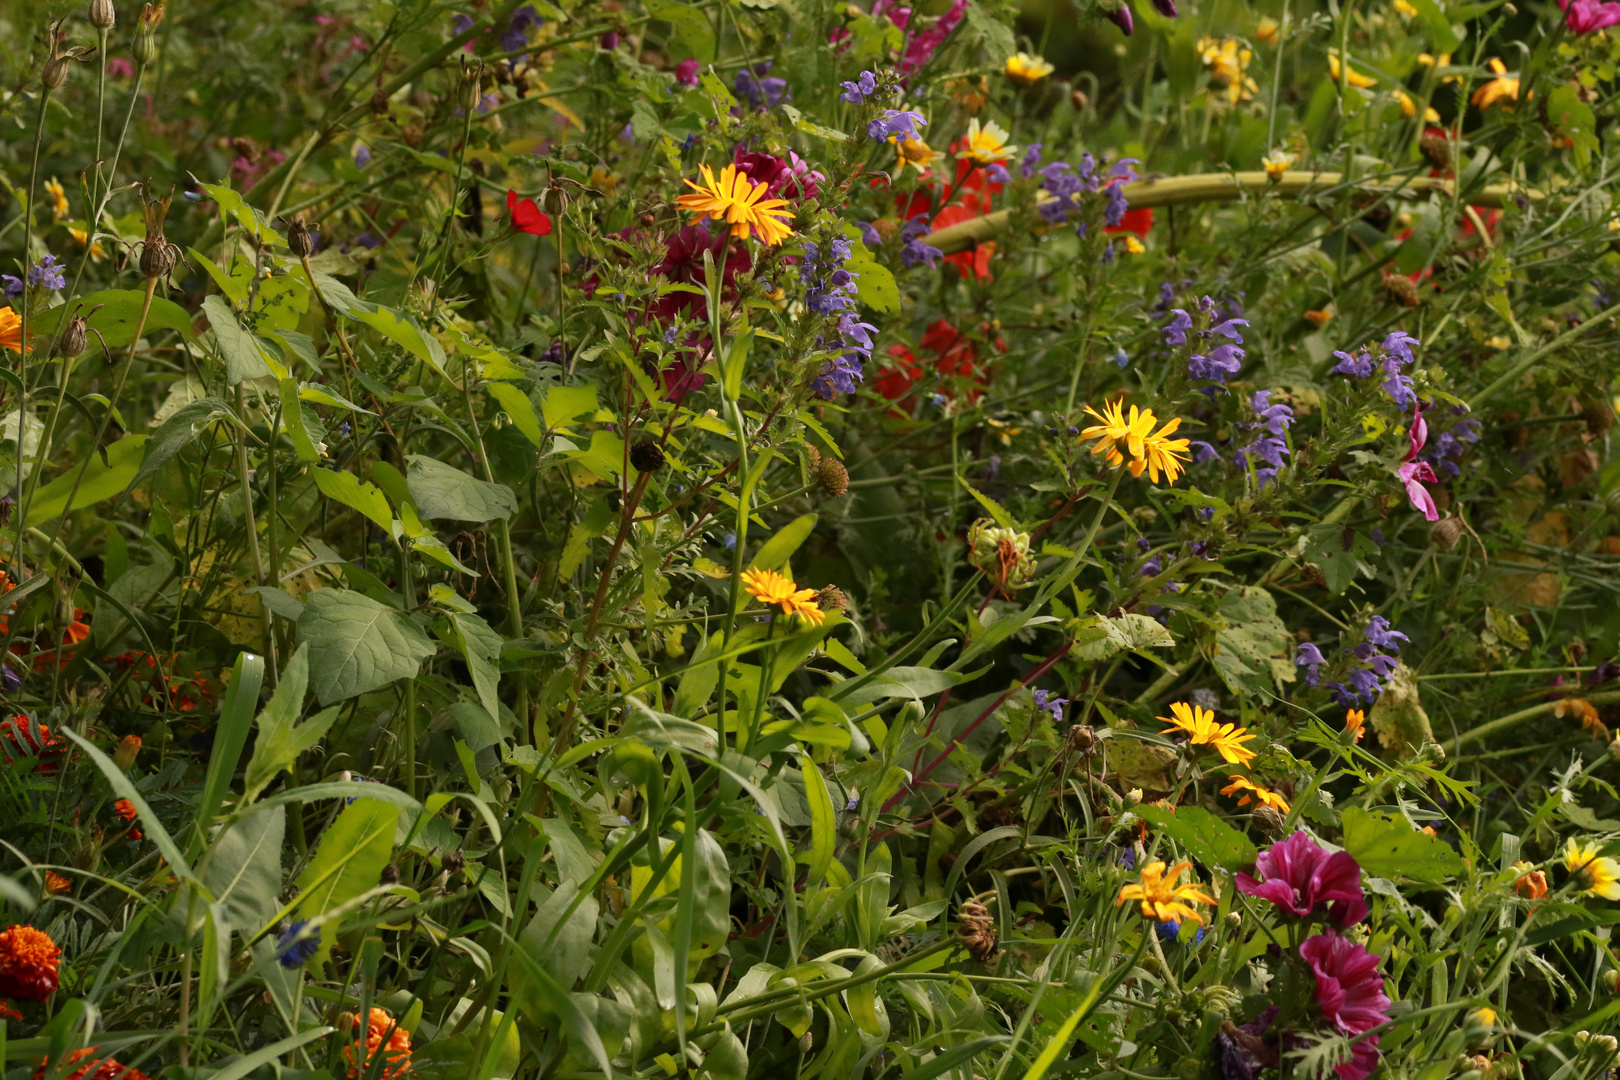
[(295, 946)]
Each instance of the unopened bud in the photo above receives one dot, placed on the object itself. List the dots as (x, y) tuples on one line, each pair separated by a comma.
[(452, 862), (56, 72), (1078, 100), (833, 476), (128, 748), (472, 90), (1445, 533), (555, 200), (1269, 820), (145, 46), (101, 14), (299, 239), (1133, 797), (379, 103), (74, 337)]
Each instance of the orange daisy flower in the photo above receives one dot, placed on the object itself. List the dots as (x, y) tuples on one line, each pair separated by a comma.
[(383, 1036), (29, 960)]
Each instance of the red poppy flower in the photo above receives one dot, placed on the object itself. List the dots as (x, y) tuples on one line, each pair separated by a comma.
[(526, 216), (976, 260), (1137, 221), (897, 380)]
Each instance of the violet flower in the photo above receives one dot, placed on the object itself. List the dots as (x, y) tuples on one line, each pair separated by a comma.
[(1300, 877)]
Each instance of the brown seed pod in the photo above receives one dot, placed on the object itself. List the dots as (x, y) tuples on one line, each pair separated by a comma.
[(75, 336), (834, 477), (102, 16), (1269, 820), (647, 456), (832, 598), (299, 238), (1445, 533), (976, 930)]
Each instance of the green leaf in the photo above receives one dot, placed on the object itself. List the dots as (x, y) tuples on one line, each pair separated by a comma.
[(516, 404), (116, 321), (1441, 36), (780, 548), (563, 404), (350, 859), (177, 431), (230, 736), (1390, 847), (100, 481), (1342, 552), (1573, 118), (281, 738), (243, 869), (444, 492), (243, 1067), (995, 510), (253, 223), (292, 416), (356, 494), (239, 349), (1202, 835), (1254, 650), (823, 822), (402, 330), (559, 939), (874, 283), (357, 645), (481, 647)]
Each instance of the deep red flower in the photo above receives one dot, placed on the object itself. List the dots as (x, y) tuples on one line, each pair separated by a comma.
[(1350, 993), (1300, 877), (22, 737), (1137, 221), (898, 378), (526, 216), (28, 964), (106, 1069), (975, 260)]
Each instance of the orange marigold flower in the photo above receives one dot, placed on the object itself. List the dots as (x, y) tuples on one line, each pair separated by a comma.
[(22, 737), (735, 199), (28, 964), (56, 883), (1583, 710), (1161, 898), (383, 1036), (8, 1013), (129, 747), (126, 812), (1247, 792), (105, 1069), (772, 587), (1530, 884), (11, 330), (1354, 722)]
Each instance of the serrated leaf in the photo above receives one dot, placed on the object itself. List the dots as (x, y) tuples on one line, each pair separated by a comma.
[(445, 493), (357, 645), (175, 433), (1390, 847)]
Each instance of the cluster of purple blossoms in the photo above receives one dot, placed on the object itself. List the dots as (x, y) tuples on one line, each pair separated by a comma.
[(1364, 684), (1215, 319), (1448, 447), (761, 89), (1065, 183), (896, 124), (863, 87), (914, 250), (1270, 444), (517, 30), (1397, 355), (45, 274), (829, 291)]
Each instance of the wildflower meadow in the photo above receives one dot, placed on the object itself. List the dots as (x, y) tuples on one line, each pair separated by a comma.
[(754, 539)]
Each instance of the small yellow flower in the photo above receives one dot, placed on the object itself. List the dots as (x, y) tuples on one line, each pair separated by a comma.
[(772, 587), (604, 181), (1500, 341), (914, 152), (59, 199), (1152, 450), (1484, 1016), (1409, 108), (1161, 898), (81, 237), (1247, 792), (1355, 722), (1266, 30), (1595, 875), (1502, 88), (1205, 730), (1027, 70), (1228, 64), (1276, 163), (1405, 8), (735, 199), (1133, 246), (985, 145), (1354, 77), (1320, 317)]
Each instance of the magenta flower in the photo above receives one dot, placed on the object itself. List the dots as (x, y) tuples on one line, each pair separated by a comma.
[(1350, 993), (1587, 16), (1300, 877), (1414, 473), (686, 72), (923, 47)]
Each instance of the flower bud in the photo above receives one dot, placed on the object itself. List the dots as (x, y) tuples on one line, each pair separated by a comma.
[(555, 200), (145, 46), (74, 338), (298, 238), (1133, 797), (1445, 533), (101, 15), (452, 862), (128, 748), (1078, 100), (833, 476), (472, 88), (1269, 820)]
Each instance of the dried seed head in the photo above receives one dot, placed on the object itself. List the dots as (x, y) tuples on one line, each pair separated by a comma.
[(157, 258), (1401, 289), (452, 862), (1445, 533), (390, 875), (101, 14), (1269, 820), (555, 200), (299, 239), (833, 476), (832, 598), (814, 456), (647, 456), (74, 338), (1436, 146), (977, 932), (472, 84), (379, 103)]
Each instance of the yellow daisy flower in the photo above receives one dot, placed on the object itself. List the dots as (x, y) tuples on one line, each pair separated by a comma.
[(914, 152), (1152, 450), (1595, 875), (1409, 108), (81, 237), (1355, 78), (1276, 163), (740, 203), (1266, 30), (1027, 70), (1204, 730), (59, 199), (1228, 64), (1161, 898), (1502, 88), (772, 587), (1247, 792), (987, 144)]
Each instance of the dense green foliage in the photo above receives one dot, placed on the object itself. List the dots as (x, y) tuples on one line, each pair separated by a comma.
[(454, 581)]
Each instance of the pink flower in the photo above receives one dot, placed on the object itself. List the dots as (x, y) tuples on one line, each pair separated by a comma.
[(1586, 16), (119, 67), (1300, 877), (926, 44), (1350, 993), (686, 72), (1414, 473)]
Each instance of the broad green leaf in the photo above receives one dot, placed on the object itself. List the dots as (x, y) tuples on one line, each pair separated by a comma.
[(1390, 847), (230, 737), (292, 417), (1254, 652), (234, 284), (874, 283), (356, 494), (281, 738), (563, 404), (402, 330), (1202, 835), (177, 431), (581, 1031), (252, 221), (562, 946), (116, 321), (779, 548), (350, 859), (1398, 715), (239, 349), (445, 493), (100, 481), (516, 404), (823, 822), (357, 645), (481, 647), (243, 869)]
